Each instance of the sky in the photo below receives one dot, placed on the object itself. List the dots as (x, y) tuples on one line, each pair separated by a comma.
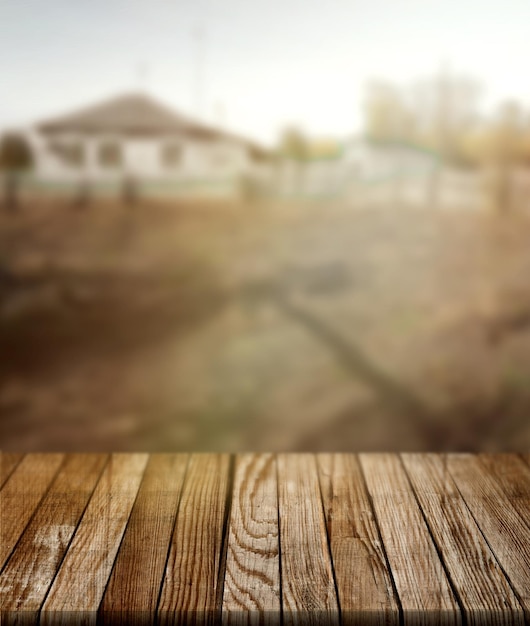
[(253, 66)]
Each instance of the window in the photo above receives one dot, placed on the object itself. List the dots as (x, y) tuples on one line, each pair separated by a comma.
[(72, 154), (171, 155), (110, 154)]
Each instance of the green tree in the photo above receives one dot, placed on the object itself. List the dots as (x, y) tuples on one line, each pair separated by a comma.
[(16, 157)]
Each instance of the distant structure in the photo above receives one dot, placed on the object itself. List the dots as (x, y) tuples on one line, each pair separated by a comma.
[(133, 137), (355, 164), (376, 160)]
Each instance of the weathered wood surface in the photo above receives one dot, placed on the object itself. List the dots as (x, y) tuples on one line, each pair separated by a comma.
[(191, 585), (264, 538), (131, 595), (252, 574), (364, 584), (78, 587), (485, 594), (418, 572), (308, 586), (504, 529), (8, 462), (21, 495), (34, 563)]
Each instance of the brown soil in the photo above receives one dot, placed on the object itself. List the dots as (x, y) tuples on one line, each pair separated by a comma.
[(210, 325)]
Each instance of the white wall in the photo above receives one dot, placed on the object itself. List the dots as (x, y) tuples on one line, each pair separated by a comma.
[(142, 157), (371, 161)]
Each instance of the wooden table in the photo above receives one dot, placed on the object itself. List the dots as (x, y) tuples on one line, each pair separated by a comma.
[(259, 538)]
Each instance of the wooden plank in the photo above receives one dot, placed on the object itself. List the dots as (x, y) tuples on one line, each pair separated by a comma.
[(190, 593), (34, 563), (485, 594), (134, 586), (308, 587), (76, 592), (8, 462), (252, 576), (21, 495), (513, 476), (501, 525), (140, 539), (419, 576), (364, 584)]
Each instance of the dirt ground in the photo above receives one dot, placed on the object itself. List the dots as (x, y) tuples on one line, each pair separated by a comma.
[(218, 326)]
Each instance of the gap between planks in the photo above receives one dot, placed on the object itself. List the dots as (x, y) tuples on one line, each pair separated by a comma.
[(254, 538)]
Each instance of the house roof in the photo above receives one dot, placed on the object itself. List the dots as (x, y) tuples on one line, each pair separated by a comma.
[(128, 113), (139, 114)]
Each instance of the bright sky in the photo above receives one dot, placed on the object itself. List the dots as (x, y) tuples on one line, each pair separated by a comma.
[(266, 63)]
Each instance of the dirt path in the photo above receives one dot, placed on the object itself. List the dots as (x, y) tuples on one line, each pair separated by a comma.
[(225, 327)]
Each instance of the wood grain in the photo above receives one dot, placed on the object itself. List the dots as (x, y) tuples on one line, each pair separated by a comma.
[(513, 476), (76, 592), (252, 576), (33, 565), (190, 593), (485, 594), (21, 495), (501, 525), (308, 588), (419, 576), (526, 458), (132, 593), (181, 539), (364, 584), (8, 462)]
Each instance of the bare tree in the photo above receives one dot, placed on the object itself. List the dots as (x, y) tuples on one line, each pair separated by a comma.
[(445, 109), (506, 151), (387, 116), (445, 106)]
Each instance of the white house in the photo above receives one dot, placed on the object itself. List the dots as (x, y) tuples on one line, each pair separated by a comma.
[(134, 137)]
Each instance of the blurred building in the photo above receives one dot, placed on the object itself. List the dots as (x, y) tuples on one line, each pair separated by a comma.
[(372, 160), (354, 164), (133, 137)]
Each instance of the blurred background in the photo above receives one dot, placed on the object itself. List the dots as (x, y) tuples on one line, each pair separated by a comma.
[(264, 225)]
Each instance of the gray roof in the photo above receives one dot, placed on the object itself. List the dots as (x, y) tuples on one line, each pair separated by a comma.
[(138, 114), (129, 113)]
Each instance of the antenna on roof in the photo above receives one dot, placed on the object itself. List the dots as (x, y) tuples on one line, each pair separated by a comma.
[(199, 40), (143, 74), (220, 113)]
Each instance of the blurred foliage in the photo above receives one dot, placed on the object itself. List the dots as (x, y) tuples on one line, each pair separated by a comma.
[(15, 153), (441, 113), (294, 144), (15, 158)]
